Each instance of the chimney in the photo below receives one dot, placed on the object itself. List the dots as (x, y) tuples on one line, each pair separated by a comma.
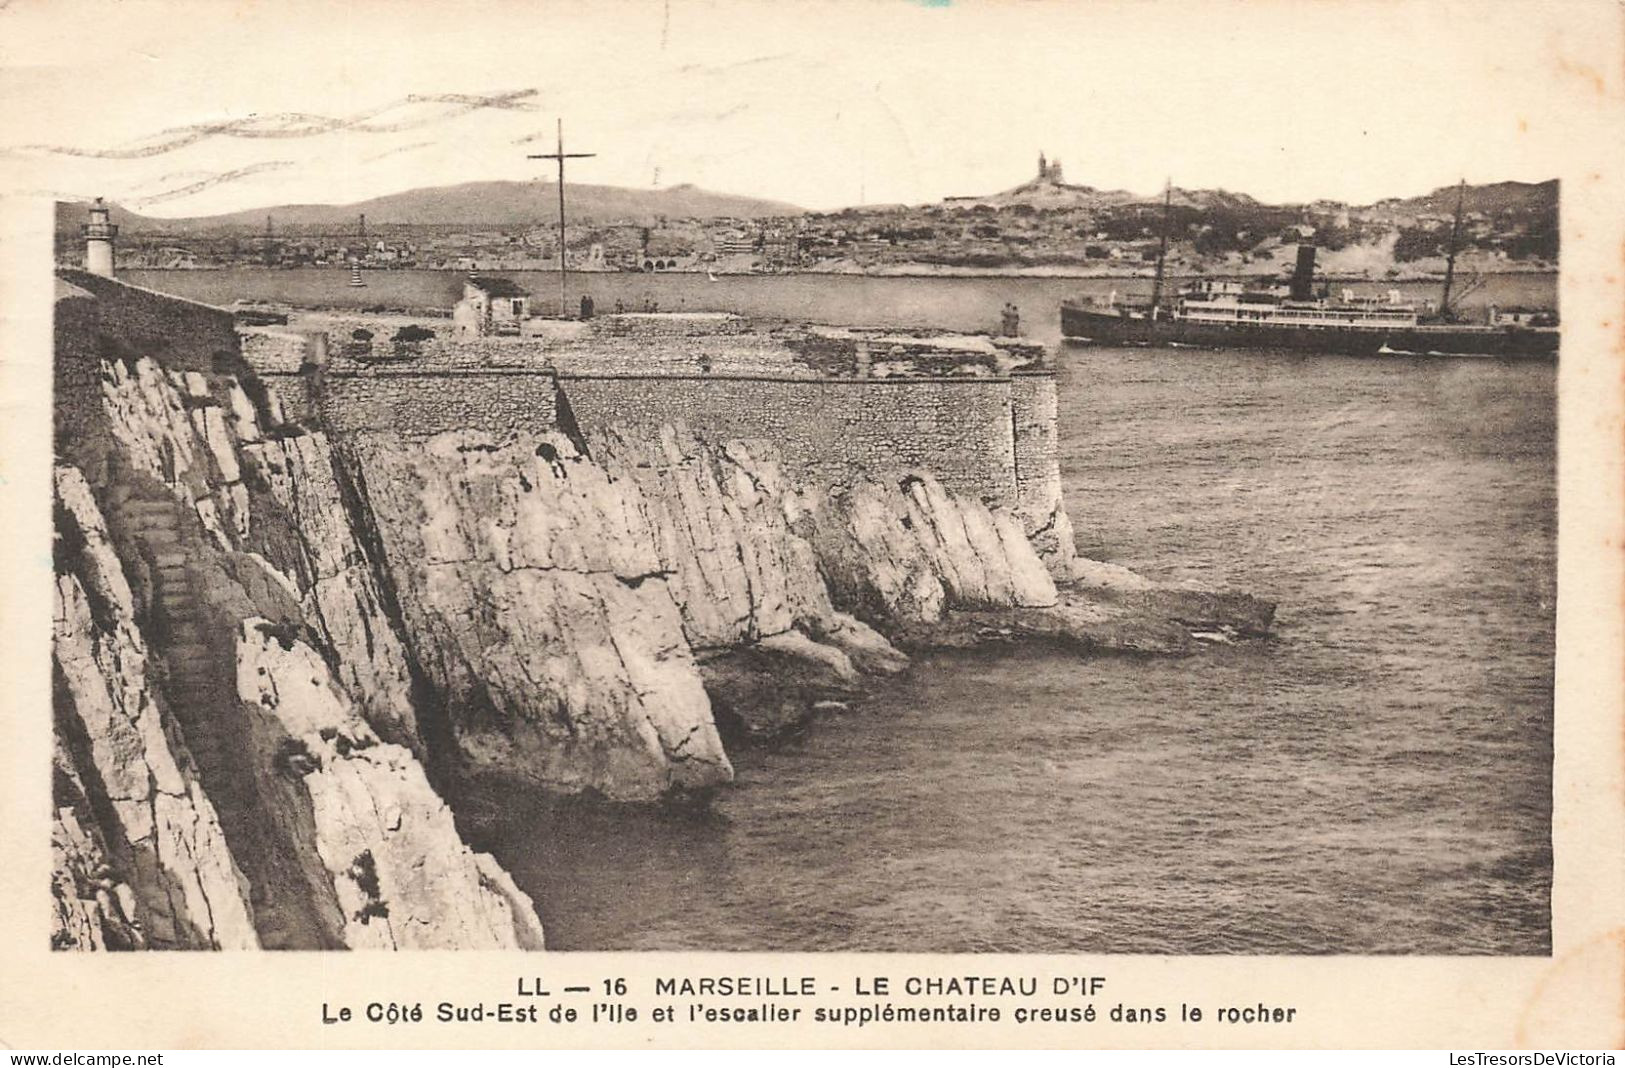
[(99, 236), (1304, 275)]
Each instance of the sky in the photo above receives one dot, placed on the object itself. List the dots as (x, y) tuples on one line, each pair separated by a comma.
[(194, 108)]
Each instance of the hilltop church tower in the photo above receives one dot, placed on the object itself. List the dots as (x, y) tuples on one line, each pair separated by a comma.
[(99, 237)]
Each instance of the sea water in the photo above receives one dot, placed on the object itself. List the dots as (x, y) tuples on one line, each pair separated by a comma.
[(1375, 778)]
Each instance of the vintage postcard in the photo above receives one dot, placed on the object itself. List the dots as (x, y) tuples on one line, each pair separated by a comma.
[(890, 523)]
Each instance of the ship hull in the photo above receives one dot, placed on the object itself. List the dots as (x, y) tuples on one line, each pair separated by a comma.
[(1102, 327)]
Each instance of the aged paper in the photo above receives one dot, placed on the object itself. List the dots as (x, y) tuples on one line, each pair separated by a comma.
[(1321, 830)]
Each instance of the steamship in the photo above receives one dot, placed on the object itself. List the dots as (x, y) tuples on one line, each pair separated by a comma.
[(1222, 314)]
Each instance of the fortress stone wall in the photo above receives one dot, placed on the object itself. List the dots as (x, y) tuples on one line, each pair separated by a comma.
[(990, 437), (281, 351), (978, 413), (99, 319), (960, 429), (983, 436), (181, 335), (77, 366), (420, 404), (1035, 408), (837, 403)]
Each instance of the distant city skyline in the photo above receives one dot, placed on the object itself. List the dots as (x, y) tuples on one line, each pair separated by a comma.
[(822, 105)]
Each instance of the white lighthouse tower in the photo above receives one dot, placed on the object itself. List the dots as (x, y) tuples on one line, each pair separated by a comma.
[(99, 236)]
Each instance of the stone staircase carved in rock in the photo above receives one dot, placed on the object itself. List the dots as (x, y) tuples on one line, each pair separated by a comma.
[(197, 655)]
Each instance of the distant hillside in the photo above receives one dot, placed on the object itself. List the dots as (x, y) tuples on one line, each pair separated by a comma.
[(1490, 199), (1209, 200), (1046, 192), (70, 215), (503, 204)]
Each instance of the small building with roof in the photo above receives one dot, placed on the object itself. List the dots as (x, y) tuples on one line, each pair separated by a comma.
[(490, 306)]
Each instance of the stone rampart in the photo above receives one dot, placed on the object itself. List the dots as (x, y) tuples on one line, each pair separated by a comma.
[(421, 404), (959, 429), (281, 351), (99, 319), (834, 402), (179, 334), (670, 324), (1037, 453)]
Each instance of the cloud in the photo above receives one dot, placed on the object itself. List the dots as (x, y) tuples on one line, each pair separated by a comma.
[(296, 124), (413, 147), (209, 182), (170, 179)]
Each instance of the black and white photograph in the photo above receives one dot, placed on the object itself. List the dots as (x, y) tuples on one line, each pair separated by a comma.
[(910, 477)]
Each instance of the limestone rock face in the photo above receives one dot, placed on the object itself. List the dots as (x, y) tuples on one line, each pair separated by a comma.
[(401, 876), (218, 513), (89, 907), (907, 551), (557, 600), (93, 909), (865, 647), (774, 687), (162, 835), (743, 579), (271, 491), (168, 433), (333, 578), (1054, 540), (736, 570), (536, 602)]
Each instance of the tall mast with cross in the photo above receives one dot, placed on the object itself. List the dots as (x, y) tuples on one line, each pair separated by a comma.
[(561, 156)]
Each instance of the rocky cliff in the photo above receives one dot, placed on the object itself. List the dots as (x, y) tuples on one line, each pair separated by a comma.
[(141, 859), (238, 751), (534, 599), (276, 655)]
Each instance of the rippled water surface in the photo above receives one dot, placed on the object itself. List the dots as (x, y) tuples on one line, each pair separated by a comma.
[(1375, 779)]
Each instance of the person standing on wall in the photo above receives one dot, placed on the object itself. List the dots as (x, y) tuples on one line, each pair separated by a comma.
[(1010, 320)]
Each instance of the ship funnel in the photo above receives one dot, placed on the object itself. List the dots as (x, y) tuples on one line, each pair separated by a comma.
[(1304, 274)]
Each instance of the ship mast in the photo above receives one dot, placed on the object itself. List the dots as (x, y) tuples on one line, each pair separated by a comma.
[(1450, 257), (1162, 249)]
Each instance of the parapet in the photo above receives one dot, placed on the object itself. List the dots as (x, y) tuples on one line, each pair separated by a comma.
[(272, 351), (865, 353), (975, 410), (122, 319), (662, 343), (669, 324)]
